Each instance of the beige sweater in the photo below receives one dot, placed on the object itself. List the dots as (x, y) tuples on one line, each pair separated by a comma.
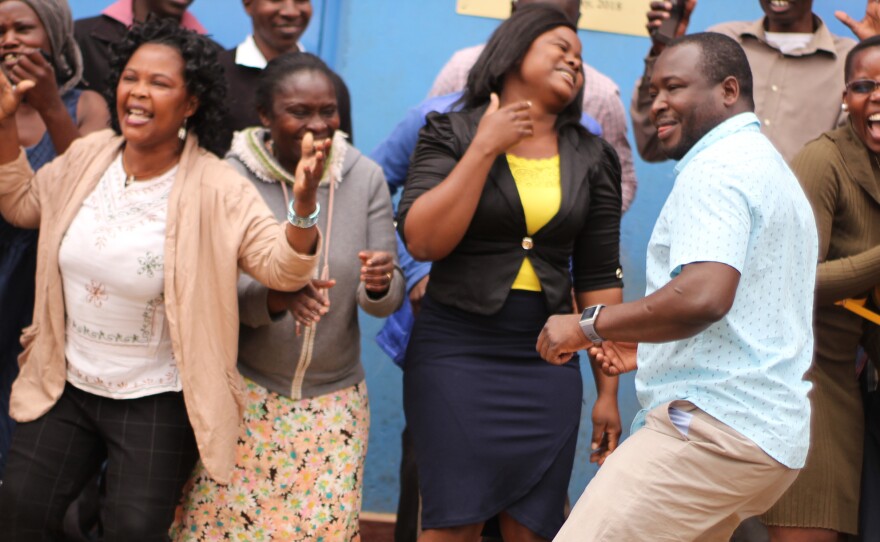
[(217, 223)]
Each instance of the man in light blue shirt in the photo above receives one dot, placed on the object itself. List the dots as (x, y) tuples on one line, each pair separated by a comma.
[(725, 327)]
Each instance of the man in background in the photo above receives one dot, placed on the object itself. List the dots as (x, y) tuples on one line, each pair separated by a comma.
[(277, 27), (96, 34)]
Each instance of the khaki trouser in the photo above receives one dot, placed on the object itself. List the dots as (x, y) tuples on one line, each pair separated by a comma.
[(661, 485)]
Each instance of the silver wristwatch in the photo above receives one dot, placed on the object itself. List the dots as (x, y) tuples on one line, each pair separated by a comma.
[(588, 323)]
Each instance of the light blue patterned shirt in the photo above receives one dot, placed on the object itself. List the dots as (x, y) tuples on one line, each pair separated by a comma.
[(735, 201)]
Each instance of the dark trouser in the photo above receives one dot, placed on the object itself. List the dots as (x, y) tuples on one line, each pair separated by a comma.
[(869, 520), (149, 447), (751, 530), (82, 519), (8, 372), (407, 527), (18, 265)]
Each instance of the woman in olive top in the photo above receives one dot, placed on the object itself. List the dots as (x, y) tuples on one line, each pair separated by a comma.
[(840, 173)]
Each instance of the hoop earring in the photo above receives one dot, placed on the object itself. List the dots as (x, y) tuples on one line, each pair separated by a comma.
[(181, 132)]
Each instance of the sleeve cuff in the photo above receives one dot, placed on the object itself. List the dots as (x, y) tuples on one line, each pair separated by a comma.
[(253, 307), (295, 268), (390, 301)]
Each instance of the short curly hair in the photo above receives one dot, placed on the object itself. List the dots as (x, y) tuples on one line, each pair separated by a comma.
[(202, 72)]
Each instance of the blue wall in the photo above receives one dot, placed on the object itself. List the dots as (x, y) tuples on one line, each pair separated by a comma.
[(389, 52)]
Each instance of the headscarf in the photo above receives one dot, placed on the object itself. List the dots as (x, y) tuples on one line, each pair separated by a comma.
[(66, 57)]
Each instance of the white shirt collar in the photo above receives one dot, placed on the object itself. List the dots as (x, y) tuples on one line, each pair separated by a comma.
[(249, 55)]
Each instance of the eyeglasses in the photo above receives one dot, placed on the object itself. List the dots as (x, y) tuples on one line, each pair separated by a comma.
[(862, 86)]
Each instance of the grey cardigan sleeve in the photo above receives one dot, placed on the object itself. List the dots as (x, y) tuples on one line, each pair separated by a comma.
[(253, 310), (380, 236)]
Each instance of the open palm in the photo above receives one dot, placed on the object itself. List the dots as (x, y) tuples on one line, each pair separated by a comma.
[(615, 358), (868, 26)]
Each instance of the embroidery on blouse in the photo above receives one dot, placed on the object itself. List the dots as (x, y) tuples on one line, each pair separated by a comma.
[(119, 210), (150, 264), (96, 293), (108, 337), (169, 378)]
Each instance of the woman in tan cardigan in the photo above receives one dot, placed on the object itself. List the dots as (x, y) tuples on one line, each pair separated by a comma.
[(131, 357), (840, 173)]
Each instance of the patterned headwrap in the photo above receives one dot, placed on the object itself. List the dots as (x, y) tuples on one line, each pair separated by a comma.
[(66, 56)]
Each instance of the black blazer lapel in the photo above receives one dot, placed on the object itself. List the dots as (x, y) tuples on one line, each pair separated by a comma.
[(573, 169), (499, 175), (502, 178)]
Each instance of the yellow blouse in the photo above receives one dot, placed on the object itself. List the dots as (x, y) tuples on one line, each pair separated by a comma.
[(537, 181)]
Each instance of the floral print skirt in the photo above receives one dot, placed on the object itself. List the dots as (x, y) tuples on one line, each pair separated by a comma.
[(298, 473)]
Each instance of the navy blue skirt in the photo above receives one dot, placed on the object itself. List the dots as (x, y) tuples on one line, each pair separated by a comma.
[(494, 426)]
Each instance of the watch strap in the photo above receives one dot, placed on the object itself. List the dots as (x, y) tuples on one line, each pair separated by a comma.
[(588, 324)]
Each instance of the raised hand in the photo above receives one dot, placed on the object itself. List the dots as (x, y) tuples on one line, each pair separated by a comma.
[(11, 95), (868, 26), (377, 270), (659, 12), (501, 128), (615, 358), (33, 66), (309, 171)]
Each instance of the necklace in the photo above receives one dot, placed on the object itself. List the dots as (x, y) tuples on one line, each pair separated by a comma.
[(130, 177)]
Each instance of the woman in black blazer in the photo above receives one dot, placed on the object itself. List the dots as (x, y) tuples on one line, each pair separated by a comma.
[(511, 198)]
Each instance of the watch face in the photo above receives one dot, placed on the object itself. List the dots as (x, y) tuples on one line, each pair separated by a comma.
[(589, 312)]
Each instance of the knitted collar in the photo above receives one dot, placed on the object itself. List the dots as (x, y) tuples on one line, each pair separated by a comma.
[(249, 147)]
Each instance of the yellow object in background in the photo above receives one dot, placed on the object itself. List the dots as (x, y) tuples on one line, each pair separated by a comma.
[(857, 306), (615, 16)]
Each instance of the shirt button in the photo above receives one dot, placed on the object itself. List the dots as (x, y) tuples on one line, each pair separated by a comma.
[(527, 243), (774, 88)]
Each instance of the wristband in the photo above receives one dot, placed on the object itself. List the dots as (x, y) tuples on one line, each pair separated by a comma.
[(588, 323), (303, 222)]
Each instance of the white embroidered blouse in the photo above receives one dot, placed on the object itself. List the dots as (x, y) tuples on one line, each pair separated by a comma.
[(111, 258)]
